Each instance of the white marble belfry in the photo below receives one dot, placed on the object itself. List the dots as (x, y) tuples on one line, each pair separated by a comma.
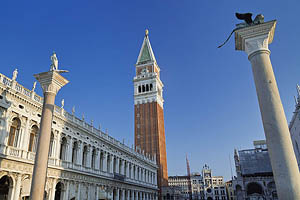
[(51, 83), (254, 40)]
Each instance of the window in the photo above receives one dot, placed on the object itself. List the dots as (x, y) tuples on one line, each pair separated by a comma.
[(51, 148), (93, 158), (63, 149), (101, 161), (140, 89), (108, 163), (74, 152), (14, 132), (33, 140), (84, 156)]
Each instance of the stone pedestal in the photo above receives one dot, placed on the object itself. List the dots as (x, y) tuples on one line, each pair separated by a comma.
[(51, 82), (254, 41)]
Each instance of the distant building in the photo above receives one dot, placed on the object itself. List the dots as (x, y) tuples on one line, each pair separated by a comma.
[(254, 173), (230, 190), (172, 193), (294, 127), (204, 185)]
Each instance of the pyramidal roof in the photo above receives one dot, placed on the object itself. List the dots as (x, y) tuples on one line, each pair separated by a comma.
[(146, 54)]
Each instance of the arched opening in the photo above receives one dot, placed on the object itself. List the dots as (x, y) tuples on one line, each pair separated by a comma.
[(101, 161), (130, 168), (115, 165), (147, 88), (254, 189), (6, 185), (125, 168), (63, 149), (168, 196), (151, 87), (58, 191), (120, 166), (143, 88), (74, 152), (115, 194), (272, 189), (134, 172), (14, 132), (93, 158), (51, 147), (140, 89), (33, 140), (84, 156)]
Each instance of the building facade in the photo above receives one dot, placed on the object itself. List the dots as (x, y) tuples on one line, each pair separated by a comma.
[(254, 178), (294, 127), (84, 162), (148, 110), (205, 186)]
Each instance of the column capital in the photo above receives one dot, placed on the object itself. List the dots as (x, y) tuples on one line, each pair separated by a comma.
[(255, 38), (51, 81)]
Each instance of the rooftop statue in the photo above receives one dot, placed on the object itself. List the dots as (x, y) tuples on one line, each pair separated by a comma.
[(15, 74)]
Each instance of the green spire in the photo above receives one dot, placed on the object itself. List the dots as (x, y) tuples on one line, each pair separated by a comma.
[(145, 56), (146, 53)]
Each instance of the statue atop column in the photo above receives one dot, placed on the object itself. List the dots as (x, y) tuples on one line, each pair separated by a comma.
[(54, 60), (54, 64)]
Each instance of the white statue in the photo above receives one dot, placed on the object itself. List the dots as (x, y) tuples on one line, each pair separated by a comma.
[(62, 103), (34, 85), (54, 65), (15, 74), (73, 110)]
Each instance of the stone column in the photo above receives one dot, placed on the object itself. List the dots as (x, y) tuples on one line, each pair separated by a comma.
[(79, 153), (97, 192), (122, 191), (89, 157), (104, 164), (52, 193), (70, 149), (122, 165), (128, 195), (112, 163), (117, 164), (78, 191), (254, 41), (18, 187), (51, 82), (97, 160), (117, 193), (67, 190)]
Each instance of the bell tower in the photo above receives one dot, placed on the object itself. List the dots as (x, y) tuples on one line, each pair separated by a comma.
[(149, 132)]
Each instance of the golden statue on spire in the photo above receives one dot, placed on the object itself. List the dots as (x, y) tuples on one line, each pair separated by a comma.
[(146, 32)]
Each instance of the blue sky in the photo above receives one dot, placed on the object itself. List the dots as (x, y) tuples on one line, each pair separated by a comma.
[(210, 99)]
